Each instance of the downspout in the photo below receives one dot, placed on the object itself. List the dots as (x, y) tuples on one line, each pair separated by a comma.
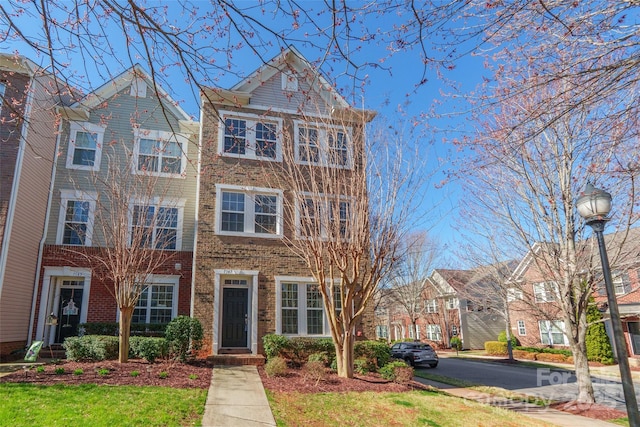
[(197, 214), (44, 237)]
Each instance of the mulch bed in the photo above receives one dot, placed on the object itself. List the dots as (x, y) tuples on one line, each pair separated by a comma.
[(195, 374), (599, 412)]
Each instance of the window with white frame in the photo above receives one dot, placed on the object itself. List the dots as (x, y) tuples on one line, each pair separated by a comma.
[(522, 331), (157, 303), (621, 283), (545, 291), (157, 225), (300, 307), (138, 88), (417, 331), (248, 211), (454, 330), (323, 216), (382, 331), (322, 145), (552, 332), (434, 333), (289, 81), (160, 153), (431, 305), (452, 303), (75, 223), (514, 294), (85, 146), (250, 136)]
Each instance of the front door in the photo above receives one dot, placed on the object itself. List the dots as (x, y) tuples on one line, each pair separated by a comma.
[(68, 313), (234, 317), (634, 331)]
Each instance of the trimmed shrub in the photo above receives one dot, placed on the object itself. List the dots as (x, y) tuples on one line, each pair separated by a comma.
[(393, 369), (456, 343), (321, 357), (184, 335), (274, 345), (362, 366), (275, 367), (91, 348), (502, 337), (597, 340), (376, 353), (316, 370), (148, 348), (495, 348)]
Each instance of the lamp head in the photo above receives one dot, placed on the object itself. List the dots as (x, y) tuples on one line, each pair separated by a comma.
[(594, 203)]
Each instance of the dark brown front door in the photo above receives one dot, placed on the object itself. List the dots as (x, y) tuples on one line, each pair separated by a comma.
[(234, 317), (68, 313)]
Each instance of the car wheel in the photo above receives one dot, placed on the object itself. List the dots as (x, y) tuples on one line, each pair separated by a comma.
[(409, 361), (433, 365)]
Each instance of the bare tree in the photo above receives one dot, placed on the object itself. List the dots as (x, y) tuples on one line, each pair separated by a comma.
[(524, 188), (135, 224), (351, 203), (406, 283)]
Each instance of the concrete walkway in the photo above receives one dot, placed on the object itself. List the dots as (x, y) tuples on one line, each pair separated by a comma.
[(236, 398)]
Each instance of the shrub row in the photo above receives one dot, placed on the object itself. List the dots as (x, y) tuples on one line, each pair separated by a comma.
[(111, 328), (548, 350), (369, 355), (105, 347)]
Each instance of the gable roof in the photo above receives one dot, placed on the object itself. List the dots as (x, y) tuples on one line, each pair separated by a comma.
[(122, 81)]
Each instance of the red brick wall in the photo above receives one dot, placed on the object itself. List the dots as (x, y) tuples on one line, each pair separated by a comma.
[(102, 304)]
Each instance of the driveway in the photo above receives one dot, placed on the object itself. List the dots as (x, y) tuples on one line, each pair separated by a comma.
[(547, 383)]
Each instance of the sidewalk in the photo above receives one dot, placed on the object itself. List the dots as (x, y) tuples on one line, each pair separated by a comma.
[(236, 398), (553, 416)]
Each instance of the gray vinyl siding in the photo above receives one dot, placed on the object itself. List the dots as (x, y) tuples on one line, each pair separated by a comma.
[(479, 327), (29, 216), (271, 95), (119, 113)]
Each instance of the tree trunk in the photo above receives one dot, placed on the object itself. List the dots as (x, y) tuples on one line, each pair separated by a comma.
[(508, 334), (344, 356), (583, 376), (125, 330)]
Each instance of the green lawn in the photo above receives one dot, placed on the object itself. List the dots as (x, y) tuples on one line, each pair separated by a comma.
[(61, 405), (416, 408)]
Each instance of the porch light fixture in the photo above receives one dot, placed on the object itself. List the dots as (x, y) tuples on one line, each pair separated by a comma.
[(52, 319), (594, 206)]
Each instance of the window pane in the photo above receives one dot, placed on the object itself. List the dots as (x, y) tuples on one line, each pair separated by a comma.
[(338, 154), (289, 308), (235, 136), (85, 148), (142, 225), (265, 214), (172, 158), (314, 310), (76, 219), (140, 312), (167, 228), (148, 157), (308, 145), (233, 212), (266, 140)]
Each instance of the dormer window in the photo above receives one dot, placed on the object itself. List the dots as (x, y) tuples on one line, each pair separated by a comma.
[(289, 81)]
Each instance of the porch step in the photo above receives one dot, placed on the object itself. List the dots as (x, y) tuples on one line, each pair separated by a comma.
[(236, 359), (54, 351)]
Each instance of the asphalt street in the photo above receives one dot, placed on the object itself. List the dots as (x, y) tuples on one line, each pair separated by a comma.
[(546, 383)]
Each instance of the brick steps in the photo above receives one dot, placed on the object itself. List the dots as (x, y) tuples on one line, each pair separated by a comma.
[(236, 359)]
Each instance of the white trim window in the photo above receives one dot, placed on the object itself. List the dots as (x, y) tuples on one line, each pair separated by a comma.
[(522, 330), (552, 332), (250, 136), (452, 303), (431, 305), (85, 146), (434, 332), (322, 216), (138, 88), (289, 81), (621, 282), (318, 144), (300, 308), (159, 153), (158, 302), (76, 219), (382, 332), (514, 294), (157, 225), (545, 291), (248, 211)]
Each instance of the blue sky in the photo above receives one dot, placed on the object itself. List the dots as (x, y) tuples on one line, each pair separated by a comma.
[(393, 93)]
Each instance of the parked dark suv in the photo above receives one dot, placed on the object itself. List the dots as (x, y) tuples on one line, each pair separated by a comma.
[(415, 353)]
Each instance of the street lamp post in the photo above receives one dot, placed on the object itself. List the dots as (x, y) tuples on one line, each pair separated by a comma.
[(594, 206)]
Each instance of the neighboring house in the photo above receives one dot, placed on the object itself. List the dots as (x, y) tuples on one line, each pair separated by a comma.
[(27, 148), (542, 324), (455, 294), (127, 125), (248, 281)]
